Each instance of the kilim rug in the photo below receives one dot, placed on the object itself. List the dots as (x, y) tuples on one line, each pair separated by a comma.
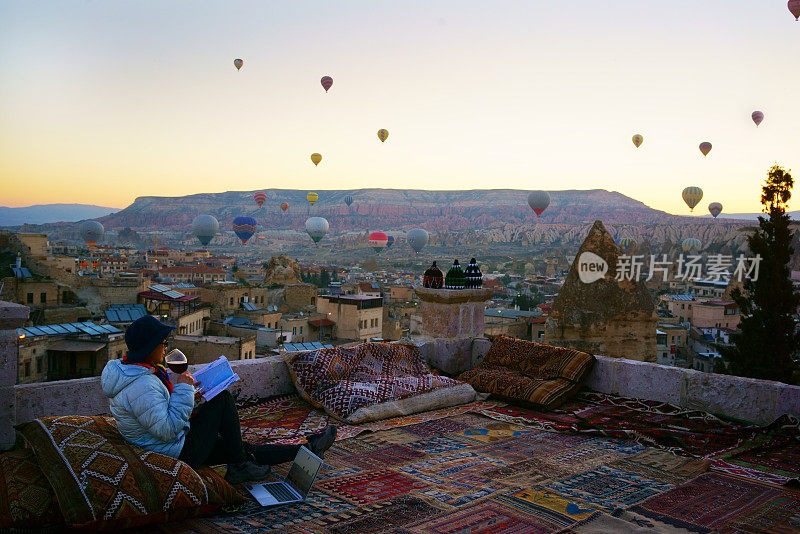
[(726, 504), (770, 454), (288, 419), (468, 473)]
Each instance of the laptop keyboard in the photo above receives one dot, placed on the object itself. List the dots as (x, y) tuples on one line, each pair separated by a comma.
[(280, 492)]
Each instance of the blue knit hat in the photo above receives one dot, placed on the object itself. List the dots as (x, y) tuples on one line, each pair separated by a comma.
[(144, 335)]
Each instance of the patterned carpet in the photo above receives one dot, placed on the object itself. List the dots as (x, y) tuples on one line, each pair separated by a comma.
[(464, 472)]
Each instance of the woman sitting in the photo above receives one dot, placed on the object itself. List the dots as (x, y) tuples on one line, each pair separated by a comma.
[(160, 416)]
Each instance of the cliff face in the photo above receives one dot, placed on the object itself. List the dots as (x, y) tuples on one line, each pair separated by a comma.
[(282, 270), (388, 208)]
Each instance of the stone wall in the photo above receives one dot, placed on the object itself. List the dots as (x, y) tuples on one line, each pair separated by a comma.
[(299, 296)]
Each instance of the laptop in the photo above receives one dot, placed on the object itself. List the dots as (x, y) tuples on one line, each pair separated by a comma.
[(295, 486)]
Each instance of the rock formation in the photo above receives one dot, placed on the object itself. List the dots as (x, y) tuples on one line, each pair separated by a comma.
[(598, 314), (282, 270)]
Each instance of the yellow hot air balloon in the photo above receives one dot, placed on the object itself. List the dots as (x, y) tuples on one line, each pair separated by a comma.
[(316, 158), (312, 197), (383, 134), (692, 196), (637, 140)]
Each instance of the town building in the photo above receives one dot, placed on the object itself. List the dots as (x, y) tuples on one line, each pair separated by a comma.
[(205, 349), (355, 316)]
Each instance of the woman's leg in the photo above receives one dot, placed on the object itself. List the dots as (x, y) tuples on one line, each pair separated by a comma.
[(274, 454), (203, 444)]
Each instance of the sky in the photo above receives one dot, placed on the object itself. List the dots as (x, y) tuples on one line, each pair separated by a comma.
[(102, 102)]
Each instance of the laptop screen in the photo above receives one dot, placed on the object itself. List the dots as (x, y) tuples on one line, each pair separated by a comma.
[(304, 470)]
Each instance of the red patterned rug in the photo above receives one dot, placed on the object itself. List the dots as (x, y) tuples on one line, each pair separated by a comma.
[(288, 419)]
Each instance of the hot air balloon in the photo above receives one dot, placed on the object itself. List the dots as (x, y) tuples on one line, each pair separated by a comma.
[(715, 208), (378, 241), (758, 116), (326, 82), (627, 243), (238, 63), (692, 196), (637, 140), (317, 227), (260, 198), (390, 241), (691, 244), (538, 201), (705, 148), (312, 197), (794, 8), (91, 232), (348, 200), (205, 227), (244, 228), (284, 206), (383, 134), (417, 238), (316, 158)]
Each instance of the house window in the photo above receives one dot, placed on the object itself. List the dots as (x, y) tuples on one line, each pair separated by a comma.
[(43, 298), (29, 298), (294, 330), (39, 364), (27, 369), (231, 301), (301, 330)]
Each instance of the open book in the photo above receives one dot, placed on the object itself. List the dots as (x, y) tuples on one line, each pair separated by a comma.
[(215, 377)]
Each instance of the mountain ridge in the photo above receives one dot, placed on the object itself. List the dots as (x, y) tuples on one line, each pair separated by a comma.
[(51, 213)]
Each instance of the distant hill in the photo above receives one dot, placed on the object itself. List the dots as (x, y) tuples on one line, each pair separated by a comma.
[(51, 213), (390, 209), (794, 215)]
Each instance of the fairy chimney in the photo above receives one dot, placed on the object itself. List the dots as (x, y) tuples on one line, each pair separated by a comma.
[(599, 314)]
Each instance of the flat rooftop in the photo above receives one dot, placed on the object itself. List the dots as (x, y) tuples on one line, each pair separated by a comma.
[(600, 464)]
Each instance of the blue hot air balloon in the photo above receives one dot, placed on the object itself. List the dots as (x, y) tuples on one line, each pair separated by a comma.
[(348, 200), (390, 241), (244, 228)]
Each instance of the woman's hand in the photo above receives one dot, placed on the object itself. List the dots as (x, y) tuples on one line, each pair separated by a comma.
[(186, 378)]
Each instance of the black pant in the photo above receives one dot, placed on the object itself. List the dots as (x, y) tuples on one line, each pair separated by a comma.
[(215, 437)]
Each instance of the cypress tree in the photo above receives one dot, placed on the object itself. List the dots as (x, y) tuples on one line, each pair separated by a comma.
[(768, 341)]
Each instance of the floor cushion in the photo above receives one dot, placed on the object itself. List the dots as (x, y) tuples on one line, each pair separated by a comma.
[(101, 481), (373, 381), (530, 373), (26, 499)]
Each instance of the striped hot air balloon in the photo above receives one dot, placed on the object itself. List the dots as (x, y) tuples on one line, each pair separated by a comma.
[(316, 158), (757, 117), (691, 244), (705, 148), (715, 208), (794, 8), (284, 206), (244, 228), (383, 134), (348, 200), (312, 197), (260, 198), (637, 140), (389, 241), (378, 241), (327, 82), (238, 63), (692, 196), (627, 243)]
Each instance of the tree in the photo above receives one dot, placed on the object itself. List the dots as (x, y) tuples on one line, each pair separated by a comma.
[(769, 340), (324, 278)]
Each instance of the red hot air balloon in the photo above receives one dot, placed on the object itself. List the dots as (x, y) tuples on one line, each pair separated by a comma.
[(794, 7), (326, 82), (284, 206), (238, 63), (705, 148), (260, 198), (378, 241)]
